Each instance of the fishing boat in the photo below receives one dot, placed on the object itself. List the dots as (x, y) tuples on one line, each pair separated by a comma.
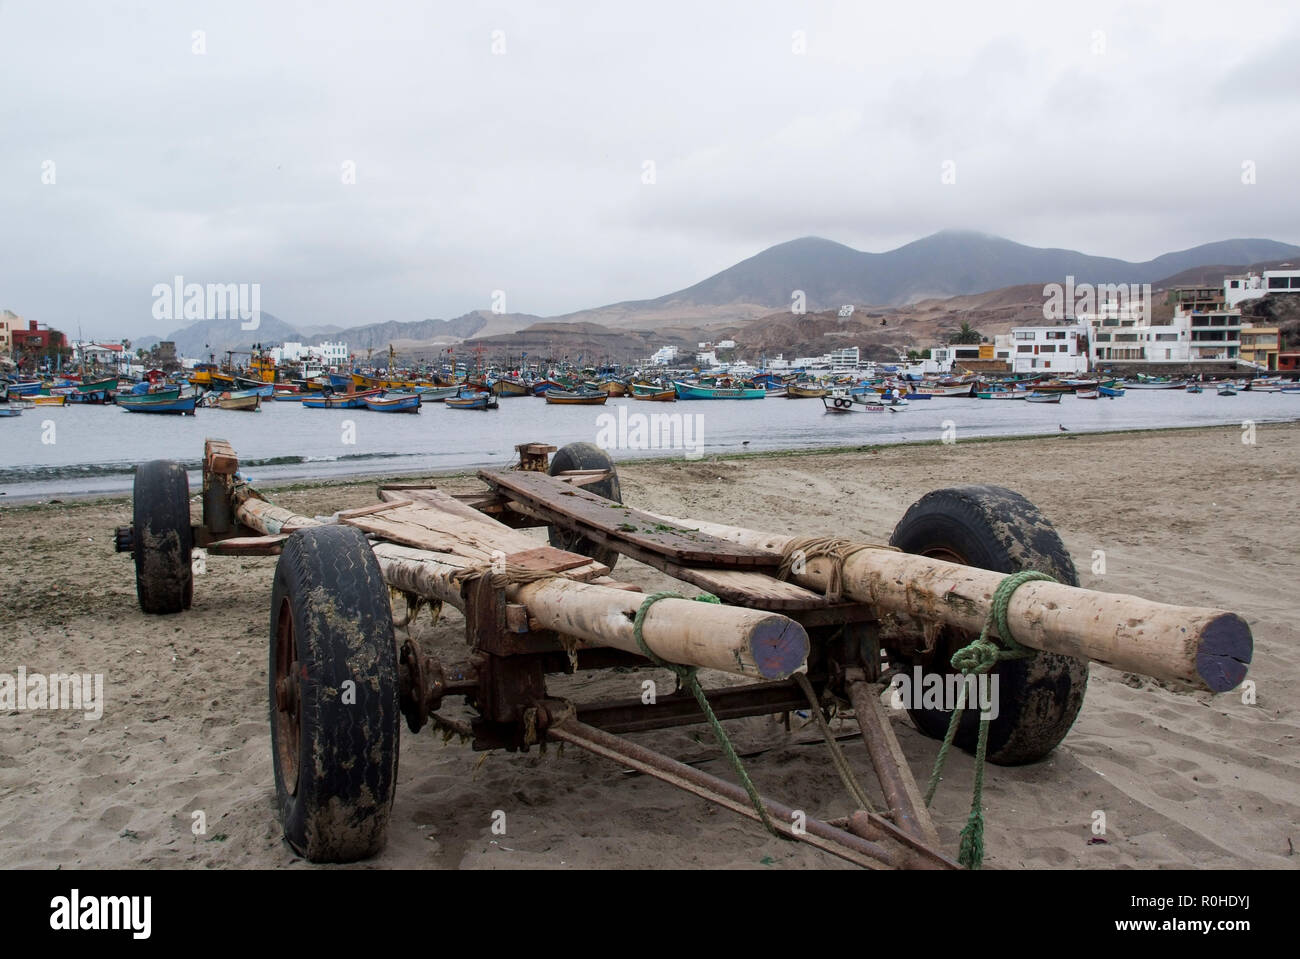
[(1036, 397), (543, 386), (804, 391), (1227, 390), (567, 398), (166, 393), (1111, 391), (146, 404), (435, 394), (507, 386), (249, 401), (98, 386), (394, 403), (841, 403), (58, 399), (959, 389), (685, 391), (1087, 394), (339, 401), (658, 396), (614, 387), (288, 396), (1002, 394), (1291, 389), (10, 411), (24, 389), (1156, 384), (1194, 388), (472, 400)]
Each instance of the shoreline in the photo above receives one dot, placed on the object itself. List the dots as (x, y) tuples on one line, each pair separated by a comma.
[(295, 484)]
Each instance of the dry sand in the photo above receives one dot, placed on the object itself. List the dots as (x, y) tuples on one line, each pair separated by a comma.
[(1184, 779)]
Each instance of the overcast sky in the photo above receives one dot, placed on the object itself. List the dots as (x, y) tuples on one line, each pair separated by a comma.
[(1118, 129)]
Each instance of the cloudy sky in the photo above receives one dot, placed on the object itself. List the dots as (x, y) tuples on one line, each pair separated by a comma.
[(506, 146)]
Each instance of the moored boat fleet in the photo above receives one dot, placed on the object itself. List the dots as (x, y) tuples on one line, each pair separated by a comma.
[(207, 387)]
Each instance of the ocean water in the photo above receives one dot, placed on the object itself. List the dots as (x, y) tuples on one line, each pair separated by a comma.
[(83, 450)]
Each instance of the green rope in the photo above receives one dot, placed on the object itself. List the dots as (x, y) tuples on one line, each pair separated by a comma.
[(974, 660), (686, 676)]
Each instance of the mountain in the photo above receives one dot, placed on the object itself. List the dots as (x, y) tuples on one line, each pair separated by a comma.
[(1000, 280), (217, 336), (948, 263)]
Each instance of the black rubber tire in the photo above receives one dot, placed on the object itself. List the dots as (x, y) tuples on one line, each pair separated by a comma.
[(164, 538), (998, 529), (336, 800), (586, 456)]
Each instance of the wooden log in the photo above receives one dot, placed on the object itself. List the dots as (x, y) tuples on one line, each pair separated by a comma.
[(219, 457), (1202, 647), (744, 642), (265, 517)]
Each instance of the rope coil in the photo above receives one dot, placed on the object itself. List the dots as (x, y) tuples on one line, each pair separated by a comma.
[(802, 549)]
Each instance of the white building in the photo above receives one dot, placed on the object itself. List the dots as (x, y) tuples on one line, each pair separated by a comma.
[(845, 358), (1061, 350), (1254, 286), (1191, 336), (725, 344), (706, 358), (664, 355), (332, 354)]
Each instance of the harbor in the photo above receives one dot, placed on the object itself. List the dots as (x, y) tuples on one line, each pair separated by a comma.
[(97, 447)]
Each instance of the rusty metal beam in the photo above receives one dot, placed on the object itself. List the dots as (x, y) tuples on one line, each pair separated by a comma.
[(681, 709), (906, 803), (837, 842)]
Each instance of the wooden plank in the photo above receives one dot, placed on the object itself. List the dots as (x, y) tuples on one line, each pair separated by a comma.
[(248, 545), (614, 524), (548, 559), (438, 523), (376, 508), (753, 589)]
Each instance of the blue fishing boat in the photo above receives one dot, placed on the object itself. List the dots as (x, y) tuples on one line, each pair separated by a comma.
[(339, 401), (436, 394), (1111, 391), (472, 400), (685, 391), (394, 403), (147, 404)]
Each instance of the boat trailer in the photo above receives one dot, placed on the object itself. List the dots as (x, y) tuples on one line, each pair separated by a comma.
[(814, 624)]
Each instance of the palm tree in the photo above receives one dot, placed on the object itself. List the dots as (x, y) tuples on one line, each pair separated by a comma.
[(965, 334)]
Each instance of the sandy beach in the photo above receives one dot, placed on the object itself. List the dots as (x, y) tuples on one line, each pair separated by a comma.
[(1185, 780)]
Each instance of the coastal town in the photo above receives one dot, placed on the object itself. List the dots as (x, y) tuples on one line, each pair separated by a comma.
[(1106, 332)]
